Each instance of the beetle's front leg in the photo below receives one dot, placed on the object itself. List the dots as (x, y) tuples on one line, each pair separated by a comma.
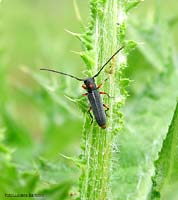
[(100, 85), (84, 87)]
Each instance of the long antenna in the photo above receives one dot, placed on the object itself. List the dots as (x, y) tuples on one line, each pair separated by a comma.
[(51, 70), (108, 61)]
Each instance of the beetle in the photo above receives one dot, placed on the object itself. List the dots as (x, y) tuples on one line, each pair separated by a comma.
[(94, 96)]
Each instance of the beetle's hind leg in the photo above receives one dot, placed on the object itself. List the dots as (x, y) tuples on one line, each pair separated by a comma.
[(107, 109), (91, 116)]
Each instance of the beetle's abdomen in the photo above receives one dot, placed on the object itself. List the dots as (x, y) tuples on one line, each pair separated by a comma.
[(97, 108)]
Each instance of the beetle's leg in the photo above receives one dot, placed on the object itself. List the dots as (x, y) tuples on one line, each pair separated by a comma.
[(84, 87), (106, 94), (107, 108), (91, 116), (85, 94), (100, 85)]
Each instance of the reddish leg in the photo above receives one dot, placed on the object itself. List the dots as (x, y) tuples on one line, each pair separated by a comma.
[(84, 87), (85, 94), (89, 110), (102, 92), (106, 94), (100, 85)]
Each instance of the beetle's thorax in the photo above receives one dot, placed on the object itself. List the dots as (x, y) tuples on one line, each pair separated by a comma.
[(90, 84)]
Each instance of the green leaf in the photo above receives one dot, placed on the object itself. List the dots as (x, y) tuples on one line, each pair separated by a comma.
[(132, 4), (155, 42), (31, 180), (165, 180), (56, 191), (16, 133), (148, 117)]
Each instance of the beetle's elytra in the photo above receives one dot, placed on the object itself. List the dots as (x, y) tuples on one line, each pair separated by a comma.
[(93, 94), (95, 102)]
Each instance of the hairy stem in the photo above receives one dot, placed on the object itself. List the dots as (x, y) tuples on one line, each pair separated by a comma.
[(107, 34)]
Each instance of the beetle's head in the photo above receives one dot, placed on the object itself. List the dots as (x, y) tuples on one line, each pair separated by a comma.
[(90, 84)]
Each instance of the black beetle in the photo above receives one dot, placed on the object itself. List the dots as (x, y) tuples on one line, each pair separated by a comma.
[(93, 94)]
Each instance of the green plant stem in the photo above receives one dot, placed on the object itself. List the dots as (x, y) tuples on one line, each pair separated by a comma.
[(107, 37)]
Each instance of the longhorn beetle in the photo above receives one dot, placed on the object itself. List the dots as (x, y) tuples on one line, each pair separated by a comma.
[(93, 94)]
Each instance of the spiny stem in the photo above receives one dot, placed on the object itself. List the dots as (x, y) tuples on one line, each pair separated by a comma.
[(106, 38)]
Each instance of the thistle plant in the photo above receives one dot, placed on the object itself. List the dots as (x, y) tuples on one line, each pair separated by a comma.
[(106, 33), (37, 122)]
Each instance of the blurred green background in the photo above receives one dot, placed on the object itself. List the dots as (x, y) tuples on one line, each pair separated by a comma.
[(37, 121), (33, 35)]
